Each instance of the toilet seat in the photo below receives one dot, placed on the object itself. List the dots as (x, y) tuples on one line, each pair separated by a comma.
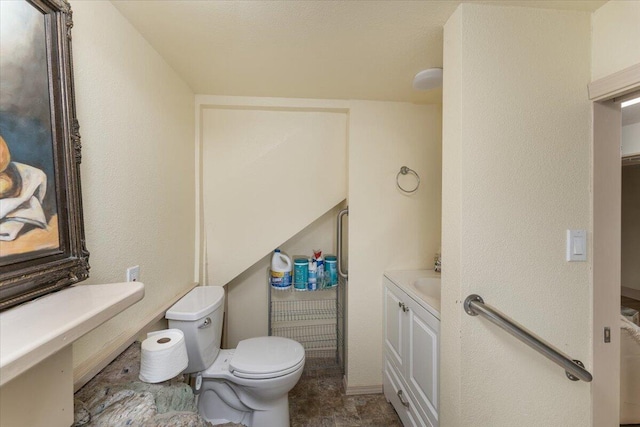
[(266, 357), (268, 375)]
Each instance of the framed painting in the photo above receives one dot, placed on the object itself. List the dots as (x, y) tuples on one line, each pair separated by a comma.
[(42, 245)]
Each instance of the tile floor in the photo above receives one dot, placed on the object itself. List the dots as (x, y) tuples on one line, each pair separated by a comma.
[(113, 398), (318, 400)]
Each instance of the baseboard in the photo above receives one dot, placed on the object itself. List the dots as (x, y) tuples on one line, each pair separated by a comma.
[(83, 373), (361, 389), (630, 293)]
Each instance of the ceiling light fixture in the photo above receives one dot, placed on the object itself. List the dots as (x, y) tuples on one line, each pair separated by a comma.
[(428, 79), (628, 103)]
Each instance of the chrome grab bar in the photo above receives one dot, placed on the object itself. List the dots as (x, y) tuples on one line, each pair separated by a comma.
[(574, 369), (343, 274)]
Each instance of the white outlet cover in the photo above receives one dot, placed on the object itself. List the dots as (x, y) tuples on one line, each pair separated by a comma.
[(133, 273)]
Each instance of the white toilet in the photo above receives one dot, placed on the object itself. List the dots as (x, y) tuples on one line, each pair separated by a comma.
[(248, 385)]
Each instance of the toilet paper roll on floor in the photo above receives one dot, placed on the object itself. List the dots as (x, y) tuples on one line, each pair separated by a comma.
[(163, 355)]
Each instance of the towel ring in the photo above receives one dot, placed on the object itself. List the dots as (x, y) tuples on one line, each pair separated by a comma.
[(403, 171)]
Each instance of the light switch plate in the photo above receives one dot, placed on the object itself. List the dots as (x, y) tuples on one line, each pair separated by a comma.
[(577, 245)]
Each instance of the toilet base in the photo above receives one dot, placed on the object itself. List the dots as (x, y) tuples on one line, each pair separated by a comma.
[(218, 403), (278, 415)]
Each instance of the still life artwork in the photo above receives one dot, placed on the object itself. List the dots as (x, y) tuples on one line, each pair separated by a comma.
[(42, 243), (28, 211)]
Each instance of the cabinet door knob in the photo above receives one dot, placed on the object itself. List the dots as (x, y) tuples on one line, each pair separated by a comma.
[(404, 402), (403, 306)]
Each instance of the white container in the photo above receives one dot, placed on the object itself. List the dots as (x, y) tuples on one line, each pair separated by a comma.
[(317, 255), (313, 276), (280, 277)]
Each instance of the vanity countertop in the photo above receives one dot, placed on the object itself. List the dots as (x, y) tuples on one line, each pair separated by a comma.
[(33, 331), (421, 285)]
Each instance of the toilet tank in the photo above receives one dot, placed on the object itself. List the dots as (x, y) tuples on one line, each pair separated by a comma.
[(199, 315)]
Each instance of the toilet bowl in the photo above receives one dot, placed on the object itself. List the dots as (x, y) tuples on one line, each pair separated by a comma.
[(247, 385)]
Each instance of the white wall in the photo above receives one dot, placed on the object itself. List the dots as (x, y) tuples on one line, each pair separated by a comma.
[(631, 227), (388, 229), (137, 127), (516, 175), (631, 139), (615, 34)]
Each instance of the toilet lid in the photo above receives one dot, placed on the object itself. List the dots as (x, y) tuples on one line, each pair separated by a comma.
[(266, 357)]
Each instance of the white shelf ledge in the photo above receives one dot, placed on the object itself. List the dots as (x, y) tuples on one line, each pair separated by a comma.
[(33, 331)]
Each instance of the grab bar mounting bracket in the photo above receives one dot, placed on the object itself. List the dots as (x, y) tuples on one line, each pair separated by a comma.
[(573, 377), (467, 304)]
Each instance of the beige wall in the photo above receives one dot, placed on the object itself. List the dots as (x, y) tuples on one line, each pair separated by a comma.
[(615, 34), (50, 384), (451, 355), (267, 173), (631, 227), (137, 127), (516, 168), (387, 229)]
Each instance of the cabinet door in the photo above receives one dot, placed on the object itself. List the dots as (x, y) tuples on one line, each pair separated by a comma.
[(393, 336), (422, 369)]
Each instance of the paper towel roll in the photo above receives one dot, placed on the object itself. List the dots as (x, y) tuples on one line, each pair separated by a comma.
[(163, 356)]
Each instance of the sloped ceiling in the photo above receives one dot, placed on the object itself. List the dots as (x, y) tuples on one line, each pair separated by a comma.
[(304, 49)]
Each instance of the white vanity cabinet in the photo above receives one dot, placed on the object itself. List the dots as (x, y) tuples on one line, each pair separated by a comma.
[(411, 357)]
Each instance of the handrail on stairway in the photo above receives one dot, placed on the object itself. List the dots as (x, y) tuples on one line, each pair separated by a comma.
[(474, 305)]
